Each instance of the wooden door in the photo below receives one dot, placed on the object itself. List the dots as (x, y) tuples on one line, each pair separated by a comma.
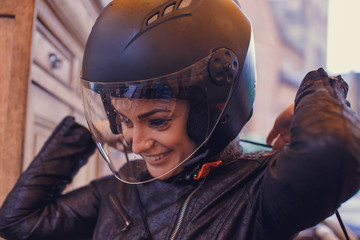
[(59, 37), (16, 25)]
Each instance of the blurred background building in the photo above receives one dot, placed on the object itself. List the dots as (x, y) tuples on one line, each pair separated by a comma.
[(291, 39)]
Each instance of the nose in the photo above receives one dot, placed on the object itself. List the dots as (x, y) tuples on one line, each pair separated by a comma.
[(139, 138)]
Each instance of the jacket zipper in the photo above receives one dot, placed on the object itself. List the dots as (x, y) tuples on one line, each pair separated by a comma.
[(120, 211), (183, 210)]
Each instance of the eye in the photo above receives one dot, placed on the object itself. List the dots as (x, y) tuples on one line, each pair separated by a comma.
[(160, 123), (124, 121), (127, 122)]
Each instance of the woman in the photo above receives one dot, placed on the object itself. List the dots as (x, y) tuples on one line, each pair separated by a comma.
[(167, 87)]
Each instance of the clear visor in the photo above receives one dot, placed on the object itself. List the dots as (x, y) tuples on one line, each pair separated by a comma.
[(147, 129)]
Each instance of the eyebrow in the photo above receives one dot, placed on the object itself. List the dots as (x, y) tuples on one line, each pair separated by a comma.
[(145, 115)]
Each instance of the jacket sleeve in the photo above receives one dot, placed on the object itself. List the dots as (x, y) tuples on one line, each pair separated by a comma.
[(320, 168), (35, 208)]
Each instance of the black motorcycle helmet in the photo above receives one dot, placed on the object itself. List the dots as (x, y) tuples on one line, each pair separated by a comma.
[(200, 51)]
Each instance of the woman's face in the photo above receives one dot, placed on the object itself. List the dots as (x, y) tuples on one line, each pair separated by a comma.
[(156, 129)]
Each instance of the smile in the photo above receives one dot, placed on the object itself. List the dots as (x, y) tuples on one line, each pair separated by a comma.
[(157, 157)]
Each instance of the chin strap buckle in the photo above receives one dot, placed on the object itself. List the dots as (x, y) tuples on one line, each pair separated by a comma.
[(205, 169)]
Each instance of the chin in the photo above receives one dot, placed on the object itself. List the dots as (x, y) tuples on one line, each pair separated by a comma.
[(158, 172)]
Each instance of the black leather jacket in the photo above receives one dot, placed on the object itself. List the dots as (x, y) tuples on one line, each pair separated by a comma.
[(263, 195)]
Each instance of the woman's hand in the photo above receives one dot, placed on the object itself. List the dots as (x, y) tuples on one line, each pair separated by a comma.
[(281, 129)]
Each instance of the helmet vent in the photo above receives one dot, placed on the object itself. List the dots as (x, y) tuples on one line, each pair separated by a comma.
[(153, 18), (170, 10), (184, 4)]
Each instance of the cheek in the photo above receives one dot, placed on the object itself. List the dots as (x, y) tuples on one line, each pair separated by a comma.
[(176, 139), (126, 134)]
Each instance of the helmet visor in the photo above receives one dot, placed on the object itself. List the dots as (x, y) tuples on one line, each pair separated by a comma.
[(147, 129)]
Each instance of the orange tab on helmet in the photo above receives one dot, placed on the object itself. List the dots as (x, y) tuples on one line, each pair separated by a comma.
[(205, 169)]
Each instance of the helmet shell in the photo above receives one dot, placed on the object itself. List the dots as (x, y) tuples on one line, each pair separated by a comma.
[(143, 39)]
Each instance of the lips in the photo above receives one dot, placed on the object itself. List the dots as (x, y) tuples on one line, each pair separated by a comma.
[(155, 158)]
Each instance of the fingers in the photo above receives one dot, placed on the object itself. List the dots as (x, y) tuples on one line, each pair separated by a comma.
[(273, 134), (279, 143), (280, 133)]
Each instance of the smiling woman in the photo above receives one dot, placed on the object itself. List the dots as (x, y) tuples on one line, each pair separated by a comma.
[(156, 124), (167, 86), (156, 131)]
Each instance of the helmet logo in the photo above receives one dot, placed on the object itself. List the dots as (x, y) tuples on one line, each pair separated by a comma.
[(223, 66)]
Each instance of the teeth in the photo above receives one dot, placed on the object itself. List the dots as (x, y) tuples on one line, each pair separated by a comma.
[(157, 157)]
